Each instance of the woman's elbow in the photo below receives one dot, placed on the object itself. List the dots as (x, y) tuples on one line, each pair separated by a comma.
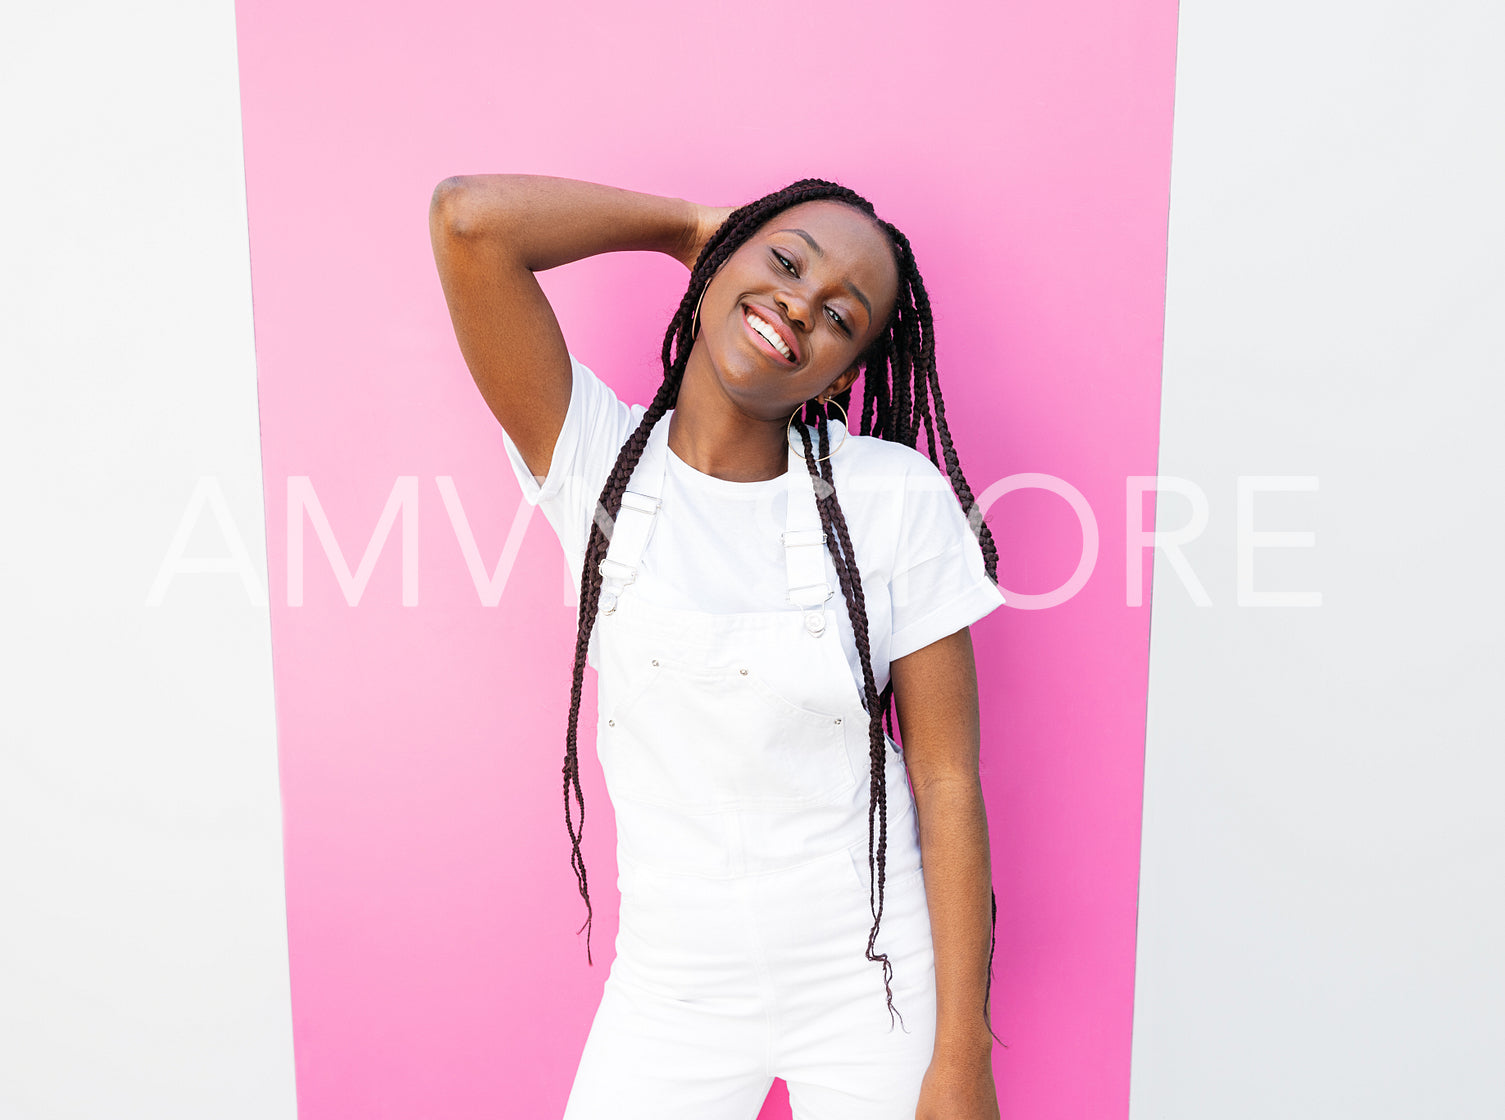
[(449, 210)]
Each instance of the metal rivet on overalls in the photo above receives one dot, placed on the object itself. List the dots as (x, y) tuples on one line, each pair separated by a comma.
[(613, 723), (742, 671), (838, 719), (655, 661)]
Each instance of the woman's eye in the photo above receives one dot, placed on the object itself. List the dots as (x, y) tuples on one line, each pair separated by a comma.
[(788, 266)]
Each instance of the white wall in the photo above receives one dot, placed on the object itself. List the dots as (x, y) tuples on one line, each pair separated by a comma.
[(1321, 916), (143, 949)]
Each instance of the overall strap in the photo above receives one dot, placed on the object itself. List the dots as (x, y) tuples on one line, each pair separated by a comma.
[(805, 548), (628, 537)]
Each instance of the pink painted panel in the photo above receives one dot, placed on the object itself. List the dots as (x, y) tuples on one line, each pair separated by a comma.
[(1025, 149)]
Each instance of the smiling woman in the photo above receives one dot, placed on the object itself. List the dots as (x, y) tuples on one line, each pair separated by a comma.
[(769, 823), (823, 323)]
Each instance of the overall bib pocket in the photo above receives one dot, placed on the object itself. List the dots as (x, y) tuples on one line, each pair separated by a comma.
[(710, 739)]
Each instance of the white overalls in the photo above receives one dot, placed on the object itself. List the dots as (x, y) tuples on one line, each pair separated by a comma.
[(735, 750)]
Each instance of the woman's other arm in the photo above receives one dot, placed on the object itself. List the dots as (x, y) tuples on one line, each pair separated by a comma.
[(490, 234), (935, 689)]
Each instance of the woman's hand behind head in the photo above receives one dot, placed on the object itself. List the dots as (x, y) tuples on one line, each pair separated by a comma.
[(708, 220)]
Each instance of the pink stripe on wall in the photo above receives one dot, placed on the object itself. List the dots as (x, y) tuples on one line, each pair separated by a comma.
[(1025, 150)]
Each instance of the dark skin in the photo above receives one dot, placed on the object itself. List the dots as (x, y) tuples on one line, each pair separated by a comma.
[(832, 298), (491, 233), (935, 689)]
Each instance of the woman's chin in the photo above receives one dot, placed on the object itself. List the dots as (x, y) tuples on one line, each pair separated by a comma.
[(747, 388), (746, 381)]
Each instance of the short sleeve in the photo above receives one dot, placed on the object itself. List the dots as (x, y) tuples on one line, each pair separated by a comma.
[(940, 582), (596, 425)]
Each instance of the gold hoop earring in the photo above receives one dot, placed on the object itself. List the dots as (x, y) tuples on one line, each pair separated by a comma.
[(789, 430), (695, 315)]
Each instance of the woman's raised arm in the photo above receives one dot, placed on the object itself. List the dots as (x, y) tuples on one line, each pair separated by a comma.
[(490, 234)]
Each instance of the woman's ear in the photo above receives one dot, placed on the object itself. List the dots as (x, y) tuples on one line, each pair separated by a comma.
[(843, 383)]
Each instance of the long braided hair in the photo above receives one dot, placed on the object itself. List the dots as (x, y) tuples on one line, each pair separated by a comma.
[(901, 399)]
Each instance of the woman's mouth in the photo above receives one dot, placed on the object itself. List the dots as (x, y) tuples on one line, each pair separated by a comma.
[(767, 335)]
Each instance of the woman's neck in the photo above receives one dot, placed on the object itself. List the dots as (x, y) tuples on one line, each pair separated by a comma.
[(711, 434)]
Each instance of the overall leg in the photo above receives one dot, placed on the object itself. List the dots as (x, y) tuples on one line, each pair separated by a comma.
[(682, 1029), (841, 1054), (650, 1057)]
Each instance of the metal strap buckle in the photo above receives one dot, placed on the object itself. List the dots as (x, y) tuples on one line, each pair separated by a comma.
[(630, 573), (826, 587), (802, 537)]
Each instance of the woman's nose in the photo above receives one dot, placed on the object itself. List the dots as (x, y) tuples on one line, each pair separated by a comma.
[(795, 306)]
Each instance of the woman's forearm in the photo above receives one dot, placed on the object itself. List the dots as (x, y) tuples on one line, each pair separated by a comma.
[(958, 876), (546, 221)]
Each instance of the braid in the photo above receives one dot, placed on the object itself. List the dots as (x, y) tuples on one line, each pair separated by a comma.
[(901, 399), (834, 522), (676, 355)]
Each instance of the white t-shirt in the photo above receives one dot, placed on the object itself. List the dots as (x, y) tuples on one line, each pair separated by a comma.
[(715, 545)]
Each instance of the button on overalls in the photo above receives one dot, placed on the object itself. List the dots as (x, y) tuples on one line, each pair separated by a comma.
[(735, 751)]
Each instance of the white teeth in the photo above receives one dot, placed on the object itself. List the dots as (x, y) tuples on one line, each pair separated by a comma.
[(769, 333)]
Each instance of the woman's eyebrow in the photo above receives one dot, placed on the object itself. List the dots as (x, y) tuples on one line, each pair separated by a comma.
[(819, 252)]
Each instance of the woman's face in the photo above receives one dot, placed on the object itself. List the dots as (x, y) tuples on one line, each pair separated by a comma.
[(821, 277)]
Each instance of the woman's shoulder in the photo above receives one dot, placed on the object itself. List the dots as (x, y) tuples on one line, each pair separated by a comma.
[(896, 499), (885, 465)]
